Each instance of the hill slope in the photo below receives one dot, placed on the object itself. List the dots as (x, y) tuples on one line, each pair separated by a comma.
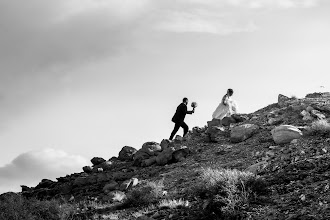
[(286, 174)]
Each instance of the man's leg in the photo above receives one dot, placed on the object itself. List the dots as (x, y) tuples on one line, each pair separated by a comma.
[(176, 128), (185, 128)]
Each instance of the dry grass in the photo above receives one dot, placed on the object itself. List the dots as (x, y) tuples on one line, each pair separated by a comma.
[(173, 203), (145, 194), (227, 192)]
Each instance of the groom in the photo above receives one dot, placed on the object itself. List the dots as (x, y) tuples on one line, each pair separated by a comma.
[(179, 116)]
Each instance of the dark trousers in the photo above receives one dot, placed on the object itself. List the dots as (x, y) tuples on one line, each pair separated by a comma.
[(176, 128)]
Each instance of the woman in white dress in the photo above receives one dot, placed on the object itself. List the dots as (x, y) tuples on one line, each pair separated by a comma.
[(226, 108)]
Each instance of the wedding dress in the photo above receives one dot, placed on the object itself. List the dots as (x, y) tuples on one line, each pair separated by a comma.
[(225, 109)]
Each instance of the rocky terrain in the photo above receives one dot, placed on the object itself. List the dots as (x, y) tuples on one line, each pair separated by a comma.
[(286, 144)]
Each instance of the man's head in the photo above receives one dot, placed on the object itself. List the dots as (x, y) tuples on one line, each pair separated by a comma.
[(185, 101), (230, 92)]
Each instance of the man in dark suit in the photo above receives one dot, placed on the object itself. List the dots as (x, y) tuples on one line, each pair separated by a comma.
[(179, 116)]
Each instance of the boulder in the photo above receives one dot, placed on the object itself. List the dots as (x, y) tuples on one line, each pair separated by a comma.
[(257, 168), (226, 121), (214, 122), (242, 132), (107, 165), (151, 148), (126, 153), (285, 134), (165, 144), (121, 176), (87, 169), (240, 118), (165, 156), (216, 133), (45, 183), (148, 162), (282, 100), (181, 154), (139, 156), (97, 160), (178, 138), (112, 185)]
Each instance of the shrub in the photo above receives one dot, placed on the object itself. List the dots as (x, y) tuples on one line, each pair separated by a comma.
[(226, 193), (15, 207), (145, 194), (321, 127)]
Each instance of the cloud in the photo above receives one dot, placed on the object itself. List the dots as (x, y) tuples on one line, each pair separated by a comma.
[(31, 167)]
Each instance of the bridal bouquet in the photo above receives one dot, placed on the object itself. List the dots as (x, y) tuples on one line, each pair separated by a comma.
[(194, 104)]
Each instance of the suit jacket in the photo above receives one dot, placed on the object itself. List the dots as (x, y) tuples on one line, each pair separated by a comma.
[(180, 113)]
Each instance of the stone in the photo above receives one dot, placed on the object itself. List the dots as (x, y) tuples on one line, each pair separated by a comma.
[(148, 162), (227, 121), (181, 154), (317, 114), (97, 160), (112, 185), (178, 138), (127, 153), (127, 184), (309, 109), (285, 134), (240, 118), (282, 100), (139, 156), (165, 156), (45, 183), (107, 165), (216, 133), (242, 132), (257, 168), (87, 169), (80, 181), (214, 122), (275, 121), (151, 148)]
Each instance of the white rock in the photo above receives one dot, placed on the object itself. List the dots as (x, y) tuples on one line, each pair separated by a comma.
[(285, 134)]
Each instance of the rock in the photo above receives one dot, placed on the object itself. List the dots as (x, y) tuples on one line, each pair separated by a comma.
[(151, 148), (282, 100), (214, 122), (275, 121), (97, 160), (107, 165), (148, 162), (126, 153), (80, 181), (87, 169), (309, 109), (181, 154), (139, 156), (178, 138), (112, 185), (226, 121), (216, 133), (257, 168), (165, 156), (240, 118), (242, 132), (127, 184), (285, 134), (317, 114), (45, 183)]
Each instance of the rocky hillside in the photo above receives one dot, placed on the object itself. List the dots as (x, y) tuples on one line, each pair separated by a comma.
[(286, 144)]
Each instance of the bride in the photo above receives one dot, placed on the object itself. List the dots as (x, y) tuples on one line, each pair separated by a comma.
[(226, 108)]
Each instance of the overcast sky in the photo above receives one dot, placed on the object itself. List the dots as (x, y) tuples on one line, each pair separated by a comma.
[(83, 78)]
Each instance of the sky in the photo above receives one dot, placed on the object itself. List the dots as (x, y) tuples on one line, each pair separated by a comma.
[(83, 78)]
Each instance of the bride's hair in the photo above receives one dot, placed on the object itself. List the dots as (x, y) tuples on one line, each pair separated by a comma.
[(230, 91)]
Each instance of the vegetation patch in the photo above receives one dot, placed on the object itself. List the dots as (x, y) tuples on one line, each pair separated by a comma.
[(227, 193)]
